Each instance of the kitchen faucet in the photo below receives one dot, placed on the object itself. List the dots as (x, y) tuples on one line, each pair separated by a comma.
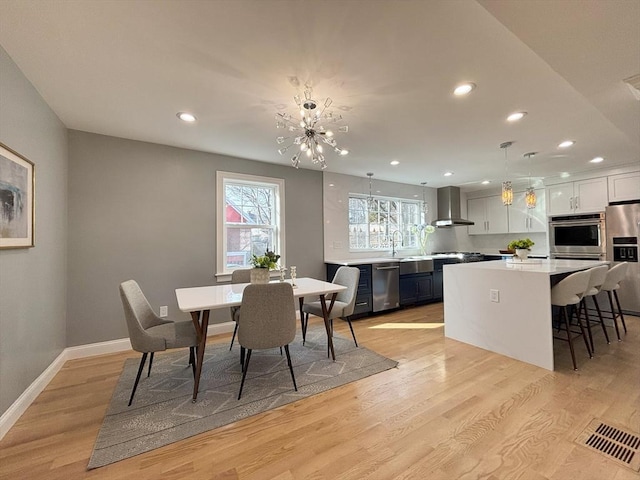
[(393, 242)]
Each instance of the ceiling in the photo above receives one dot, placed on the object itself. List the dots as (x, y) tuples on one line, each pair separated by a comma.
[(125, 68)]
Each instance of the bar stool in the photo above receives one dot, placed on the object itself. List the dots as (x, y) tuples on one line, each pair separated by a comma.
[(569, 291), (611, 284), (597, 278)]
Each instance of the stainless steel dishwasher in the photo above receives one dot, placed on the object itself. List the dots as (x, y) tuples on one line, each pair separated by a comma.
[(386, 285)]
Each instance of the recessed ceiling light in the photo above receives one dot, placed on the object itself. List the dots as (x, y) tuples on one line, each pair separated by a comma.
[(394, 162), (486, 182), (464, 89), (186, 117), (566, 144), (448, 174), (565, 175), (331, 185), (514, 117), (596, 160)]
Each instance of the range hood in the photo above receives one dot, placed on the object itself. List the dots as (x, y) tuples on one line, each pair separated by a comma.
[(449, 209)]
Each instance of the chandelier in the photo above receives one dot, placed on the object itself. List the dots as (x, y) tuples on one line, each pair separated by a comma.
[(311, 133), (507, 189), (425, 205), (530, 194), (370, 200)]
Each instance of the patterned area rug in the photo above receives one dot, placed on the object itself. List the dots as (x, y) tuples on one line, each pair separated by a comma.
[(162, 411)]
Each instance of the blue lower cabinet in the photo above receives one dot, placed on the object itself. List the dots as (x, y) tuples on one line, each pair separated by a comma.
[(416, 288)]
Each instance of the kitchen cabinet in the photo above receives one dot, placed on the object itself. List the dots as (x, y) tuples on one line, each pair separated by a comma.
[(624, 187), (438, 265), (364, 296), (527, 220), (584, 196), (488, 214), (416, 288)]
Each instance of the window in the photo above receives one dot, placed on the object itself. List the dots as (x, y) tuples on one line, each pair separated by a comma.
[(372, 225), (250, 219)]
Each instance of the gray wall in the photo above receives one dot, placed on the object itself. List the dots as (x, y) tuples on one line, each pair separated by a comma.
[(148, 212), (33, 281)]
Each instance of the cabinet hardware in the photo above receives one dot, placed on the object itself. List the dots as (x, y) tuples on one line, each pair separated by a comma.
[(362, 304)]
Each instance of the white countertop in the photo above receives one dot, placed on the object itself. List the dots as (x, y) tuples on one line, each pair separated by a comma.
[(374, 260), (543, 266)]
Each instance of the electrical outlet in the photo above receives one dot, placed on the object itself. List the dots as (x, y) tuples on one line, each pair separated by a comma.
[(494, 295), (164, 311)]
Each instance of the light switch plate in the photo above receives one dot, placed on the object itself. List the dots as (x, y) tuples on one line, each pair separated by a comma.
[(164, 311), (494, 295)]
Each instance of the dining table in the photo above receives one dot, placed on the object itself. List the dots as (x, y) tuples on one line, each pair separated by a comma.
[(199, 301)]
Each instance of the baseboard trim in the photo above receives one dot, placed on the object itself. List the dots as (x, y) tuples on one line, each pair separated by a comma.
[(17, 408)]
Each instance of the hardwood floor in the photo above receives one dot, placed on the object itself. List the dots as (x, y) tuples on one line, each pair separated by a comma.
[(449, 411)]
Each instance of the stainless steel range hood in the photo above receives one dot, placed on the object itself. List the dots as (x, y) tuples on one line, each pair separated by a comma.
[(449, 209)]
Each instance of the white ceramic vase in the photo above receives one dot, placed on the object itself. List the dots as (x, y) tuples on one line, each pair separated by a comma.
[(259, 275), (522, 254)]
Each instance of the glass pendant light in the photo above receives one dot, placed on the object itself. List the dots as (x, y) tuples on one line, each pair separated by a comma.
[(425, 205), (530, 194), (370, 201), (507, 189)]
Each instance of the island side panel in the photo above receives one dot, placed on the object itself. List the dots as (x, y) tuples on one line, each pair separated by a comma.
[(518, 326)]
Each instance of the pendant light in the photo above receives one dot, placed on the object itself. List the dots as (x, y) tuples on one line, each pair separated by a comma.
[(425, 205), (530, 194), (370, 201), (507, 189)]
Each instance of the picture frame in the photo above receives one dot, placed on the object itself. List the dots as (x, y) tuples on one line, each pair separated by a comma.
[(17, 200)]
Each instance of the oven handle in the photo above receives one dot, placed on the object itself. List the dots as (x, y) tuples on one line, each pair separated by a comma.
[(576, 223)]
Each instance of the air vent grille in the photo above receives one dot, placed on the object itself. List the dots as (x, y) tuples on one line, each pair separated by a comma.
[(616, 443)]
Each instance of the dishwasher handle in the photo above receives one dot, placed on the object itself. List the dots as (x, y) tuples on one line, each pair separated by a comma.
[(397, 267)]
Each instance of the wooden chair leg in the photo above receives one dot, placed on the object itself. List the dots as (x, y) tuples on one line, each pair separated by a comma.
[(286, 349), (192, 360), (244, 372), (140, 368), (352, 332), (150, 363), (624, 325)]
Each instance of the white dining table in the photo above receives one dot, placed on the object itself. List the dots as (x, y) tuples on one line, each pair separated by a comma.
[(199, 301)]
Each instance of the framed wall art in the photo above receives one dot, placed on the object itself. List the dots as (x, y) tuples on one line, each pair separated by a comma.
[(16, 200)]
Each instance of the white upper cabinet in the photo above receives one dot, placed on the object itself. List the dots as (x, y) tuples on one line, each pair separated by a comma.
[(523, 219), (623, 187), (488, 214), (584, 196)]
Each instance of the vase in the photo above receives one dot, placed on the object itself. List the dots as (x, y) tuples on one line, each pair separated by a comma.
[(259, 275), (522, 253)]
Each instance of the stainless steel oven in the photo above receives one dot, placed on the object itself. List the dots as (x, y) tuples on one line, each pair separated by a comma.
[(578, 236)]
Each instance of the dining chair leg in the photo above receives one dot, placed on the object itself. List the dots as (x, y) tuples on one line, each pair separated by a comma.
[(244, 372), (352, 332), (140, 368), (583, 306), (624, 325), (286, 349), (303, 326), (242, 350), (150, 362), (280, 351), (235, 330), (613, 314), (604, 327), (566, 324), (192, 360)]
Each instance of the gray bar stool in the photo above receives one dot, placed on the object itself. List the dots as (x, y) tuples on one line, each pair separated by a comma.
[(569, 291), (597, 278), (611, 284)]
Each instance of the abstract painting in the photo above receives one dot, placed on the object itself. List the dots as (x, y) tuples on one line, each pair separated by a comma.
[(16, 199)]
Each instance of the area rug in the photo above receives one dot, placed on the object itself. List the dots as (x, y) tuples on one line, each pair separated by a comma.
[(162, 411)]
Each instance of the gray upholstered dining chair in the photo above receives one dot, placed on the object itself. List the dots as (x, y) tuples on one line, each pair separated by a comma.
[(242, 275), (149, 333), (268, 321), (344, 304)]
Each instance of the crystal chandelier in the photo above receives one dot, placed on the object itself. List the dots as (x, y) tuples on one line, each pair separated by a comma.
[(370, 201), (530, 194), (507, 189), (425, 205), (310, 132)]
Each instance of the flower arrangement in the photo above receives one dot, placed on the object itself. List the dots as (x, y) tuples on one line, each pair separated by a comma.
[(268, 260), (522, 244), (423, 231)]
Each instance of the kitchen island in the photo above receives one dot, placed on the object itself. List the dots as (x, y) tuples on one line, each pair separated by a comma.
[(505, 307)]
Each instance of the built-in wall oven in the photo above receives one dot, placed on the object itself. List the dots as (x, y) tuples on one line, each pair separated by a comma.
[(580, 237)]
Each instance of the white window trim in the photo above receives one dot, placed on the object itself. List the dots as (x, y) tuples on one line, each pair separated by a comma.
[(222, 273)]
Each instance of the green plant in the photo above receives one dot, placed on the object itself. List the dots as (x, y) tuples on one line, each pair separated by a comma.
[(268, 260), (523, 243)]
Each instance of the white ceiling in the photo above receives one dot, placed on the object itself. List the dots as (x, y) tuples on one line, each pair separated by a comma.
[(124, 68)]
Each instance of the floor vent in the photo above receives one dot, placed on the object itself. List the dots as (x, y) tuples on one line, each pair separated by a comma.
[(616, 443)]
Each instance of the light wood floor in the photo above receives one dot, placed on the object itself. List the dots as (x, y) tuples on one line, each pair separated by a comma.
[(448, 412)]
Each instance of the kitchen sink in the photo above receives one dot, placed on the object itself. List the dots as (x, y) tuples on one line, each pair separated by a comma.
[(410, 265)]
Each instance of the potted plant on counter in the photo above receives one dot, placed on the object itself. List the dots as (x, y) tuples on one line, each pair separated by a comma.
[(522, 247), (261, 266)]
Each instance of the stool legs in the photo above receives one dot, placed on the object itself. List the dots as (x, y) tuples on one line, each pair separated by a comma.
[(566, 324), (624, 325), (604, 327), (613, 314)]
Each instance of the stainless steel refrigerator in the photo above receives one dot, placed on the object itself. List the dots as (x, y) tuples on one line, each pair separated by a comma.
[(623, 233)]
